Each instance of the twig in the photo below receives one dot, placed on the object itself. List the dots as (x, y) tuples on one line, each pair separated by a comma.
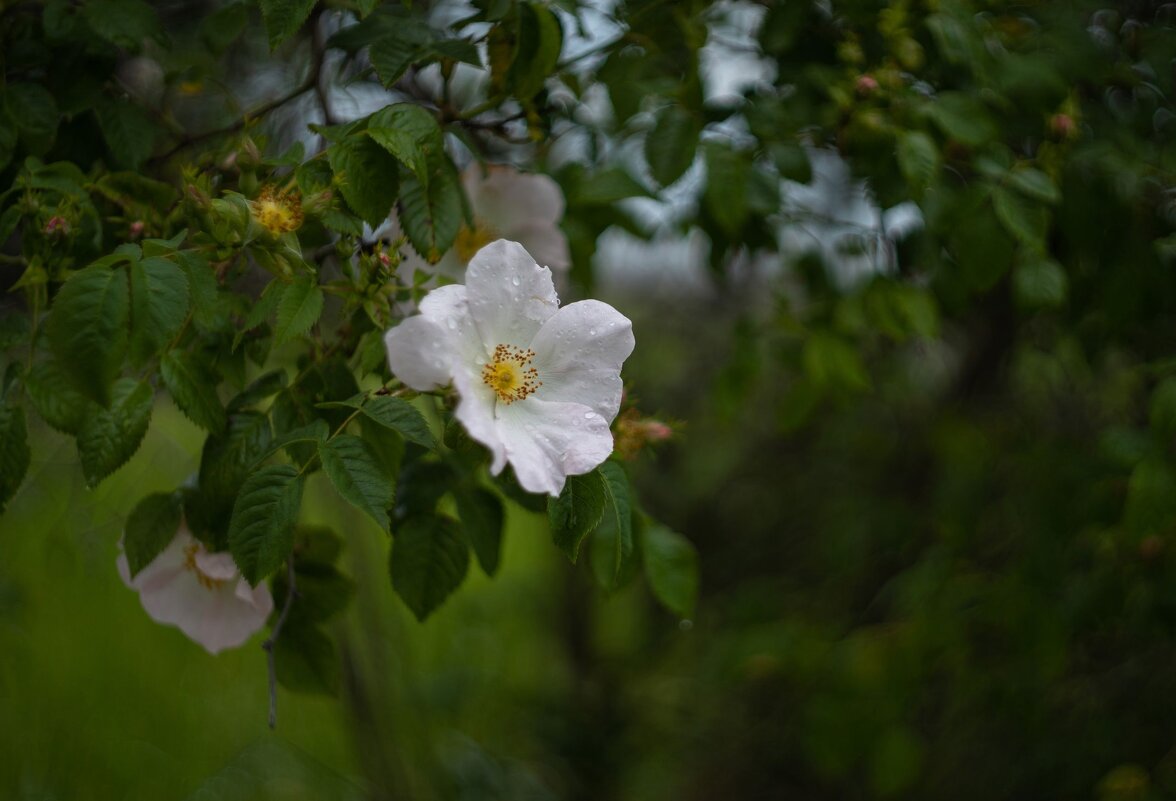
[(268, 645)]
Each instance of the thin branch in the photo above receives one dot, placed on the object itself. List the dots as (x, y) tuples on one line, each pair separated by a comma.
[(268, 645), (310, 82)]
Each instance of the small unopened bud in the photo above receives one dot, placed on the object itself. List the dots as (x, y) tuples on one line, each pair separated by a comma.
[(1062, 126), (318, 203), (1151, 547), (136, 229), (197, 196), (248, 156), (57, 226), (865, 85), (384, 259)]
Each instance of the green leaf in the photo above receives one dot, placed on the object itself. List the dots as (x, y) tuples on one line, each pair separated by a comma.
[(670, 146), (1040, 283), (313, 433), (128, 130), (264, 386), (14, 328), (368, 176), (616, 527), (792, 161), (208, 309), (962, 117), (536, 53), (323, 591), (222, 27), (429, 560), (124, 23), (671, 566), (1162, 409), (55, 398), (832, 362), (306, 661), (397, 49), (14, 452), (577, 511), (1151, 498), (134, 191), (192, 383), (159, 304), (725, 195), (358, 476), (431, 212), (482, 517), (261, 532), (1034, 184), (299, 308), (35, 112), (918, 158), (1024, 218), (283, 18), (604, 188), (226, 460), (392, 413), (150, 528), (108, 437), (87, 329), (410, 134)]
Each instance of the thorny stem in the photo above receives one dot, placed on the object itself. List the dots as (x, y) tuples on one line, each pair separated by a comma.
[(268, 645)]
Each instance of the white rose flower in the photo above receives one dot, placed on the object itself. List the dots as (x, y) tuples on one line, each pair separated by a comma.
[(506, 204), (200, 592), (539, 385)]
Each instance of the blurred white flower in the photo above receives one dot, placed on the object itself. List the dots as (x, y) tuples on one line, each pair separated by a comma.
[(200, 592), (506, 204), (539, 385)]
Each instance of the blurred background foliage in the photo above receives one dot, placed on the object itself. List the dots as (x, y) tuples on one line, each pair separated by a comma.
[(904, 274)]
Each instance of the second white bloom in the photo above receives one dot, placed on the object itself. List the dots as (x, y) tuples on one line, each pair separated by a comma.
[(539, 385)]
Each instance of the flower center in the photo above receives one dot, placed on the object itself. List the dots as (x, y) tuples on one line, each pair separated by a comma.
[(510, 375), (277, 213), (470, 240), (206, 581)]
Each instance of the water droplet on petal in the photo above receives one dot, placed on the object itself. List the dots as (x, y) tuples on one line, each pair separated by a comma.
[(591, 332), (515, 280), (452, 324), (589, 415)]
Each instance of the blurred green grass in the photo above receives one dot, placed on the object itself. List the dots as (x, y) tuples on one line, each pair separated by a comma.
[(99, 702)]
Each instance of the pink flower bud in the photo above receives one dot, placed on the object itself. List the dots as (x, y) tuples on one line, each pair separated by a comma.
[(136, 229), (865, 85), (1062, 126), (57, 226)]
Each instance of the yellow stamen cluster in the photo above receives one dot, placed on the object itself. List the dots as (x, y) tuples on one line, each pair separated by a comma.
[(470, 240), (206, 581), (510, 375), (278, 212)]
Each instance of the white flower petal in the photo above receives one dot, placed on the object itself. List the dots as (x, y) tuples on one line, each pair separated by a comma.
[(416, 354), (201, 596), (424, 351), (218, 565), (509, 295), (507, 197), (545, 242), (475, 411), (579, 352), (547, 441)]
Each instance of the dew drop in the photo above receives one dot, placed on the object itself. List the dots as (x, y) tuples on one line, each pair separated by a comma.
[(589, 415), (515, 280), (452, 324), (591, 332)]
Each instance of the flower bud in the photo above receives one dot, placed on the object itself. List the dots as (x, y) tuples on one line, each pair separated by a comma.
[(865, 85), (57, 226)]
